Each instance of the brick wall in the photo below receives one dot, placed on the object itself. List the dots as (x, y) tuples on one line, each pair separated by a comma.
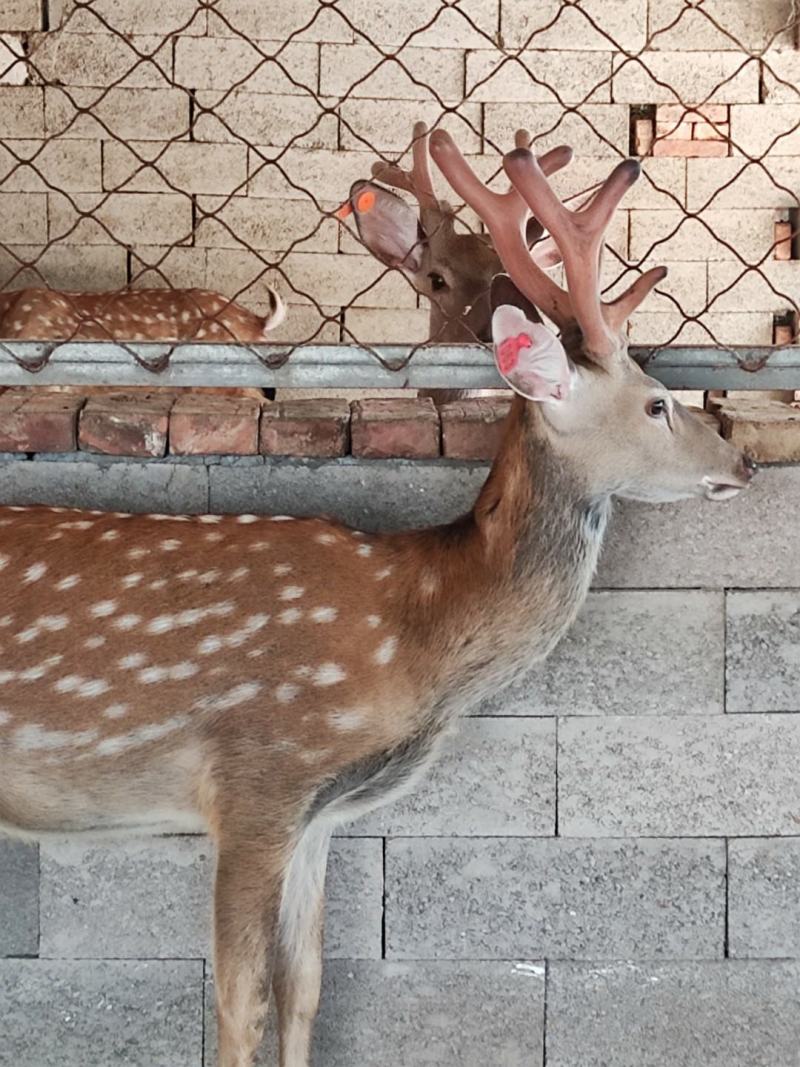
[(604, 867), (173, 152)]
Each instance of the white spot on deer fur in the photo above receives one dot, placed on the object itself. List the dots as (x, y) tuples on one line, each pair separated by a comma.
[(116, 711), (6, 620), (240, 694), (132, 661), (28, 634), (184, 576), (373, 621), (246, 519), (150, 675), (109, 535), (130, 580), (280, 570), (170, 545), (95, 687), (364, 550), (68, 583), (281, 518), (259, 546), (127, 622), (94, 642), (68, 684), (52, 622), (136, 553), (161, 624), (159, 583), (111, 746), (329, 674), (210, 518), (291, 592), (103, 608), (208, 576), (4, 561), (33, 736), (326, 539), (255, 653), (286, 692), (386, 651), (7, 676), (34, 573), (346, 720), (214, 537), (324, 614), (54, 536), (380, 575), (4, 717), (76, 524), (238, 574), (209, 644), (290, 616)]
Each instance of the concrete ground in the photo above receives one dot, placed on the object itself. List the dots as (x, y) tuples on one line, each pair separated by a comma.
[(603, 870)]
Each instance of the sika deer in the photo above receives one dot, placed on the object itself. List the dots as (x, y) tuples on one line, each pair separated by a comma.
[(267, 679), (453, 270)]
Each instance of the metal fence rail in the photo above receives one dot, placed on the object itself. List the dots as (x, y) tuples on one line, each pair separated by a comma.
[(211, 143)]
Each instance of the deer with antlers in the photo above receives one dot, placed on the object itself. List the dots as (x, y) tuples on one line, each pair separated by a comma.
[(453, 269), (267, 679)]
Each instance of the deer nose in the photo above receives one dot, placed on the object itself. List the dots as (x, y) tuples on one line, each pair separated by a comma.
[(749, 467)]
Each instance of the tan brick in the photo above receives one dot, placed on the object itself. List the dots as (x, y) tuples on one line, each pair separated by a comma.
[(690, 77), (473, 429), (158, 267), (767, 430), (21, 15), (31, 422), (661, 185), (707, 131), (258, 118), (346, 68), (717, 113), (123, 218), (674, 24), (383, 429), (571, 77), (278, 20), (258, 223), (760, 128), (23, 218), (311, 428), (225, 63), (125, 425), (621, 25), (689, 149), (209, 425), (386, 326), (130, 16), (736, 183), (749, 232), (71, 166), (335, 280), (129, 114), (643, 136), (784, 232), (13, 67), (190, 166), (100, 59), (386, 125), (773, 287), (782, 77), (326, 174), (21, 111), (746, 328), (64, 266), (599, 129), (451, 27), (684, 289), (676, 131)]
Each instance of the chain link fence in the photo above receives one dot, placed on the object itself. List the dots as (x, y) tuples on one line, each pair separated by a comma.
[(213, 143)]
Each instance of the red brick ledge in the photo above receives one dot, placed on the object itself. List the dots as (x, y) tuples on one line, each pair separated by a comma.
[(157, 424)]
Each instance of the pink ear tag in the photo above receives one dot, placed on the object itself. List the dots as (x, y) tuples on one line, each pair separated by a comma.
[(508, 351)]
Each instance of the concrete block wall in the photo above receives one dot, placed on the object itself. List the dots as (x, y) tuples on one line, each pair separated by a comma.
[(173, 144), (603, 868)]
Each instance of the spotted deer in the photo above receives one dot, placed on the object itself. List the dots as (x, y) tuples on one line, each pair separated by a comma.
[(266, 679), (453, 269)]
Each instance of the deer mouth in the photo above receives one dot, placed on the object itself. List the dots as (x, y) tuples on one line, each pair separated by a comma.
[(721, 490)]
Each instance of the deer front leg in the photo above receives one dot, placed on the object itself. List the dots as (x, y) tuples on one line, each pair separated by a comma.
[(298, 963), (246, 908)]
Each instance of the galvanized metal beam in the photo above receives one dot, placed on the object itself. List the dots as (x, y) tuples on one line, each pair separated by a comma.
[(350, 366)]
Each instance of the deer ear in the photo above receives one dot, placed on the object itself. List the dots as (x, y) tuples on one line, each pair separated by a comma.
[(529, 356), (387, 225)]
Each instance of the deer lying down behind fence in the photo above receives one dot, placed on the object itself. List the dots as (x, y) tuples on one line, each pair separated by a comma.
[(267, 679)]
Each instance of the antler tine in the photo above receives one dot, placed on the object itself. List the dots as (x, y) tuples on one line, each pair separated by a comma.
[(579, 235), (505, 215), (417, 180), (619, 310)]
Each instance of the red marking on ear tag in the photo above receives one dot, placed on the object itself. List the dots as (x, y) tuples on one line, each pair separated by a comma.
[(344, 211), (508, 351), (366, 201)]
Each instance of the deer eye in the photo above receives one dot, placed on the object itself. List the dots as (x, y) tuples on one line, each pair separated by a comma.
[(656, 408), (437, 281)]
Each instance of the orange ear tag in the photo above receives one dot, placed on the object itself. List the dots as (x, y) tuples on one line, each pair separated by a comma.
[(366, 201), (344, 211)]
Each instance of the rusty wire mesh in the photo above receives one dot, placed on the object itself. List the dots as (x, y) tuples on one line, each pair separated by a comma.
[(210, 143)]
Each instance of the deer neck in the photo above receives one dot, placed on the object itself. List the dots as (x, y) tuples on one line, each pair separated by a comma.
[(500, 587)]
